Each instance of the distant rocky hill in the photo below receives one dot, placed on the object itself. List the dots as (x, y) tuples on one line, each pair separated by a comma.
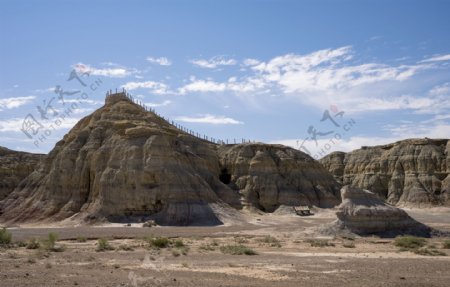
[(410, 172), (124, 163), (14, 167)]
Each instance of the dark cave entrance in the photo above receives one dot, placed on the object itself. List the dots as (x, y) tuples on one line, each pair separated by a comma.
[(225, 176)]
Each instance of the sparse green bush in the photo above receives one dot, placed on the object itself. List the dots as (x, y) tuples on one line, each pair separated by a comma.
[(409, 242), (176, 253), (240, 240), (126, 248), (237, 250), (446, 244), (272, 241), (160, 242), (184, 250), (207, 247), (179, 243), (103, 245), (33, 243), (5, 237), (21, 244), (428, 252), (49, 243), (81, 239), (319, 243)]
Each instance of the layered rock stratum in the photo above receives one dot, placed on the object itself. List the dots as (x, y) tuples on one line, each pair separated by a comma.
[(124, 163), (413, 172), (363, 212), (268, 176), (14, 167)]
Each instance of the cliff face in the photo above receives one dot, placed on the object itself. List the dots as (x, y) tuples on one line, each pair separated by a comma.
[(14, 167), (125, 163), (267, 176), (411, 172)]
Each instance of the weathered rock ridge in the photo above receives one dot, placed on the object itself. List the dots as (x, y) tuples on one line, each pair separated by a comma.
[(411, 172), (268, 176), (14, 167), (123, 163)]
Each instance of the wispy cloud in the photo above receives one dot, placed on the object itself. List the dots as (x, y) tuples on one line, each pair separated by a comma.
[(162, 104), (437, 59), (248, 84), (112, 72), (210, 119), (15, 124), (11, 125), (11, 103), (323, 77), (328, 70), (162, 61), (251, 62), (214, 62), (152, 86)]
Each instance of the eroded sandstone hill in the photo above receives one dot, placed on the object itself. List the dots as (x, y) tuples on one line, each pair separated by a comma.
[(14, 167), (410, 172), (125, 163)]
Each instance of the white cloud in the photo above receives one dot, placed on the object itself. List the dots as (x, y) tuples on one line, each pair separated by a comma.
[(48, 90), (154, 87), (116, 72), (15, 124), (11, 103), (209, 119), (154, 105), (203, 86), (437, 127), (82, 101), (162, 61), (324, 77), (11, 125), (251, 62), (328, 71), (437, 59), (214, 62), (239, 86)]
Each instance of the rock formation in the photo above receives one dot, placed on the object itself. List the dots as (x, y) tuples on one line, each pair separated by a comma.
[(268, 176), (14, 167), (410, 172), (363, 212), (123, 163)]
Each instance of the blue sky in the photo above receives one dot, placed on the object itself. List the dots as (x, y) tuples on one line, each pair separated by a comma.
[(270, 71)]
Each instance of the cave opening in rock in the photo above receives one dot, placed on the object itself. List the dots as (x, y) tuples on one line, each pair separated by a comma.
[(225, 176)]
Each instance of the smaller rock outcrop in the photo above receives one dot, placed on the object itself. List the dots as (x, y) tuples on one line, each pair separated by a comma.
[(14, 167), (363, 212)]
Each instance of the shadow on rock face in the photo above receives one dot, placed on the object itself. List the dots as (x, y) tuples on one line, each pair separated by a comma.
[(184, 214)]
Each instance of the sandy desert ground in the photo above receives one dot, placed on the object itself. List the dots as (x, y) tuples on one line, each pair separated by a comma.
[(284, 256)]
